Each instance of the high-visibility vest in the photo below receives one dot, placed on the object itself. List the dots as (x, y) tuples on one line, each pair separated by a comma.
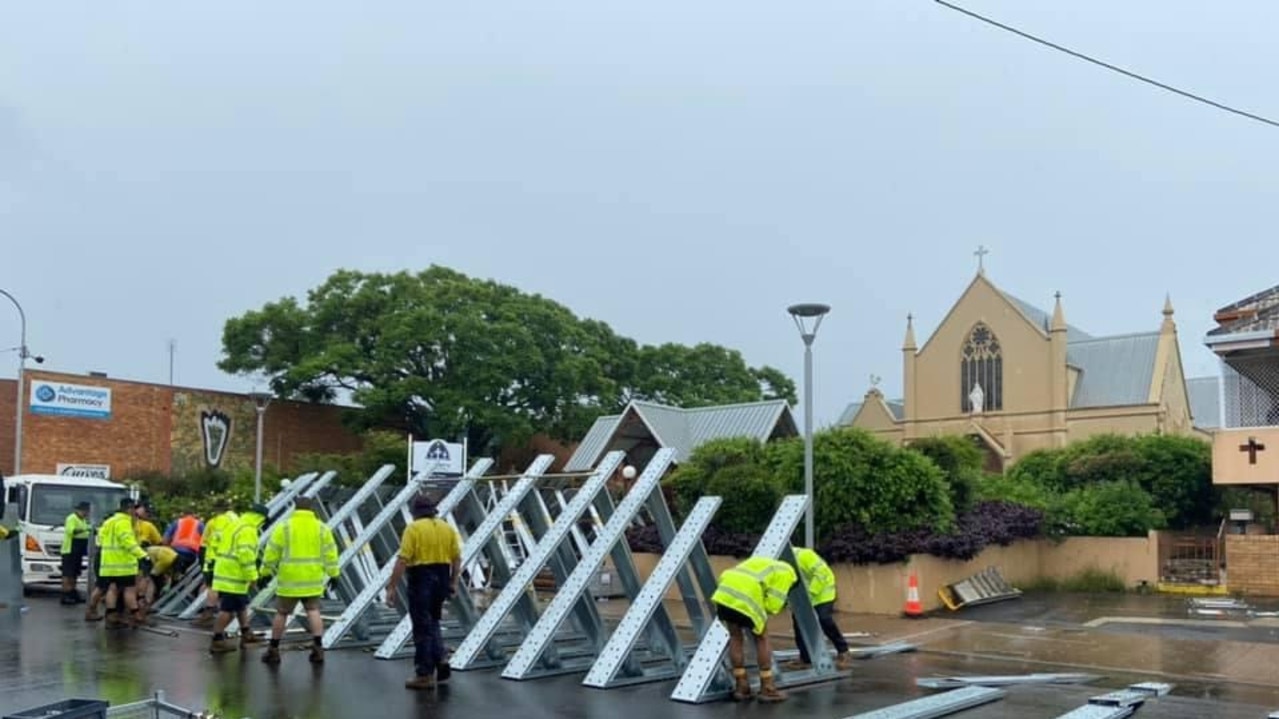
[(75, 530), (302, 554), (213, 533), (757, 588), (237, 564), (187, 534), (120, 548), (817, 574)]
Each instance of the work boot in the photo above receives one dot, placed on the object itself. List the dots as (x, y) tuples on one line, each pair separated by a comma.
[(317, 654), (742, 689), (114, 621), (420, 682), (271, 656), (91, 616), (796, 665), (442, 672), (247, 638), (221, 646), (768, 691), (844, 661), (139, 619), (205, 620), (69, 598)]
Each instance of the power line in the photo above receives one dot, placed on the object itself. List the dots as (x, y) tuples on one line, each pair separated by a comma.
[(1108, 66)]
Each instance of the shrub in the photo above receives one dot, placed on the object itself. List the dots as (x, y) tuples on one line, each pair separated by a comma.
[(695, 478), (380, 448), (1090, 580), (1112, 509), (960, 460), (750, 497), (986, 524)]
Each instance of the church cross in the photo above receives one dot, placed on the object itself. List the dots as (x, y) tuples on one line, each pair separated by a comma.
[(1252, 448), (981, 257)]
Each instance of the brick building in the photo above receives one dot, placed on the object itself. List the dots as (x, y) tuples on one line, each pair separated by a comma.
[(132, 427)]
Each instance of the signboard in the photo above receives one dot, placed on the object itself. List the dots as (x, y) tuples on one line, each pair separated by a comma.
[(1245, 456), (95, 471), (70, 400), (448, 458)]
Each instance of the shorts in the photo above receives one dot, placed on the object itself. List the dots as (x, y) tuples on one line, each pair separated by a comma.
[(734, 618), (232, 603), (122, 583), (72, 565), (287, 604), (208, 579)]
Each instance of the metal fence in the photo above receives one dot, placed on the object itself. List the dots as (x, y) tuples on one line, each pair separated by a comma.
[(1250, 391), (157, 707), (1193, 557)]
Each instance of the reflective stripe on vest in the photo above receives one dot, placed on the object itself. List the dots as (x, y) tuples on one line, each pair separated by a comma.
[(292, 575), (229, 573), (818, 576), (117, 559)]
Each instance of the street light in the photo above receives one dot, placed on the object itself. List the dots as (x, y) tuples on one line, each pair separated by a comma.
[(260, 401), (23, 354), (802, 313)]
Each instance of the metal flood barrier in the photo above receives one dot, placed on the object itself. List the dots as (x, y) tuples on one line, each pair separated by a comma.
[(984, 587)]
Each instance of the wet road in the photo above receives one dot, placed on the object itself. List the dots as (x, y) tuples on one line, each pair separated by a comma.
[(50, 654)]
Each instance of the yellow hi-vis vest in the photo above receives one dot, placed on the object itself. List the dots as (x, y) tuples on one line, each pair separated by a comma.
[(237, 564), (817, 574), (302, 554), (757, 588), (214, 531), (120, 548)]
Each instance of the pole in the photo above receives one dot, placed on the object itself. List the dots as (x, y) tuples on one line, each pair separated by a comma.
[(257, 479), (808, 440), (22, 370)]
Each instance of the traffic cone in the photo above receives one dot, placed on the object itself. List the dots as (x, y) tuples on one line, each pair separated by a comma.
[(914, 609)]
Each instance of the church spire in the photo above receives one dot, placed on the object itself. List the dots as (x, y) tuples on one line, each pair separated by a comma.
[(1059, 317), (909, 343), (1168, 325)]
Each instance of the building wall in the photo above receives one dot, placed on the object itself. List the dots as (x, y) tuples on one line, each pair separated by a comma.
[(7, 408), (1252, 564), (158, 428)]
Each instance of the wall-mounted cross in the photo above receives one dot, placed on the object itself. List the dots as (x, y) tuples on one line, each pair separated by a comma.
[(1252, 448), (981, 257)]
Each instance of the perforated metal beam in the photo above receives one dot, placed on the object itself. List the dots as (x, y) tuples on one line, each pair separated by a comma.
[(548, 550), (638, 620), (576, 589), (471, 548), (937, 705), (707, 678)]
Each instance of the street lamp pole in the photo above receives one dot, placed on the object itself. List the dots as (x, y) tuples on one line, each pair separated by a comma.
[(260, 402), (23, 354), (814, 312)]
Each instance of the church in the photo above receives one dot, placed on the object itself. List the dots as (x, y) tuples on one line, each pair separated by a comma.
[(1017, 379)]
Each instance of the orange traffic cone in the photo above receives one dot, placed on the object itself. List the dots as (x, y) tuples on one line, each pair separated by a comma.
[(914, 609)]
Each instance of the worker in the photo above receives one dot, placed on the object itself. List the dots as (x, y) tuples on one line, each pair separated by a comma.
[(431, 555), (303, 556), (820, 581), (747, 596), (235, 575), (121, 559), (214, 529), (164, 564), (75, 546), (6, 533), (148, 534), (183, 535)]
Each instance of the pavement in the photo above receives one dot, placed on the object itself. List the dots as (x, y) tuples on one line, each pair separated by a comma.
[(48, 653)]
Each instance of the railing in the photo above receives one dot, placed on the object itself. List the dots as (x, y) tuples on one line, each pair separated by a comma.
[(1193, 557)]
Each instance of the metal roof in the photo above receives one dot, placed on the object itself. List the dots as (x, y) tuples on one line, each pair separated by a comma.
[(1255, 313), (684, 430), (1044, 319), (1205, 401), (897, 407), (850, 412), (1114, 370)]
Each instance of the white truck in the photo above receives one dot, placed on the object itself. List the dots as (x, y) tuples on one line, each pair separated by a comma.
[(38, 505)]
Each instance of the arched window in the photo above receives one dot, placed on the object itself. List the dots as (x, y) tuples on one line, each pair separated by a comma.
[(981, 365)]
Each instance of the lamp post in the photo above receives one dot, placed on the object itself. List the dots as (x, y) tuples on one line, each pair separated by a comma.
[(260, 402), (23, 354), (802, 313)]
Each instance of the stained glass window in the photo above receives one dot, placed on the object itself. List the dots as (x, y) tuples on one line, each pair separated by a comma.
[(982, 364)]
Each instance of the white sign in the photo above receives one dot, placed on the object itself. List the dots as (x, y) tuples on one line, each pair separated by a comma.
[(95, 471), (70, 400), (440, 458)]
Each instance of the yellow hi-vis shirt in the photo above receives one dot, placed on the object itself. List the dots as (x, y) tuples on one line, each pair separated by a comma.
[(757, 588), (120, 550), (818, 576), (429, 540), (214, 530), (302, 554), (162, 559)]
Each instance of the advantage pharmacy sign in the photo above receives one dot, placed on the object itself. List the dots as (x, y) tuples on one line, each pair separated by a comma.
[(70, 400)]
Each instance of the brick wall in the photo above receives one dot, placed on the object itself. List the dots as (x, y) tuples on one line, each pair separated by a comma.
[(158, 428), (1252, 564)]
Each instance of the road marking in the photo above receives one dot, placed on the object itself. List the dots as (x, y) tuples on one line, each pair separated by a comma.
[(1168, 622), (934, 630)]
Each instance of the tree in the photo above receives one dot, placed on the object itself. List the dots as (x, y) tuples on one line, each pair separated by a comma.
[(441, 354), (960, 460)]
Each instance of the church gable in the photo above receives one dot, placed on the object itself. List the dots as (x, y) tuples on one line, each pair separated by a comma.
[(874, 413), (985, 340)]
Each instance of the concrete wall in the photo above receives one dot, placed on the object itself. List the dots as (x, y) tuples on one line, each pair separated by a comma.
[(1252, 564), (881, 588)]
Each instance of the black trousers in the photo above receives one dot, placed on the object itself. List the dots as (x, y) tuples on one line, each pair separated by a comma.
[(428, 589), (826, 618)]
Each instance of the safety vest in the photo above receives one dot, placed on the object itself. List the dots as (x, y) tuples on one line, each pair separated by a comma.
[(187, 534), (817, 574), (237, 564), (120, 549), (302, 554), (213, 533), (757, 588), (75, 530)]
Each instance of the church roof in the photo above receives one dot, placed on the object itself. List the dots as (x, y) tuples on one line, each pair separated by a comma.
[(896, 406), (1114, 371), (1205, 401), (686, 429), (1043, 319)]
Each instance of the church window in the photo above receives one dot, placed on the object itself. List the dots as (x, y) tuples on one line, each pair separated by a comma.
[(981, 366)]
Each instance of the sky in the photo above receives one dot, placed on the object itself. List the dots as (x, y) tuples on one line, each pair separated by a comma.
[(682, 171)]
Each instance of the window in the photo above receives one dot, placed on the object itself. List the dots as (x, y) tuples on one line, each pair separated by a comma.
[(981, 365), (51, 503)]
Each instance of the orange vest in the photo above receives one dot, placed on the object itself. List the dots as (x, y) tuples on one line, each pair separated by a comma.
[(187, 535)]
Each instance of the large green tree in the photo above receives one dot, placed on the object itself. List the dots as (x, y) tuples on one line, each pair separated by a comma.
[(440, 353)]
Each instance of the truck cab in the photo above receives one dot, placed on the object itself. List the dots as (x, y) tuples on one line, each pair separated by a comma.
[(39, 505)]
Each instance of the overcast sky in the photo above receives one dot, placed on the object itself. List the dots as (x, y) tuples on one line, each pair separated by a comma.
[(683, 171)]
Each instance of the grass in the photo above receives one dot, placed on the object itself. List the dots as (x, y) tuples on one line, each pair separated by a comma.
[(1091, 580)]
